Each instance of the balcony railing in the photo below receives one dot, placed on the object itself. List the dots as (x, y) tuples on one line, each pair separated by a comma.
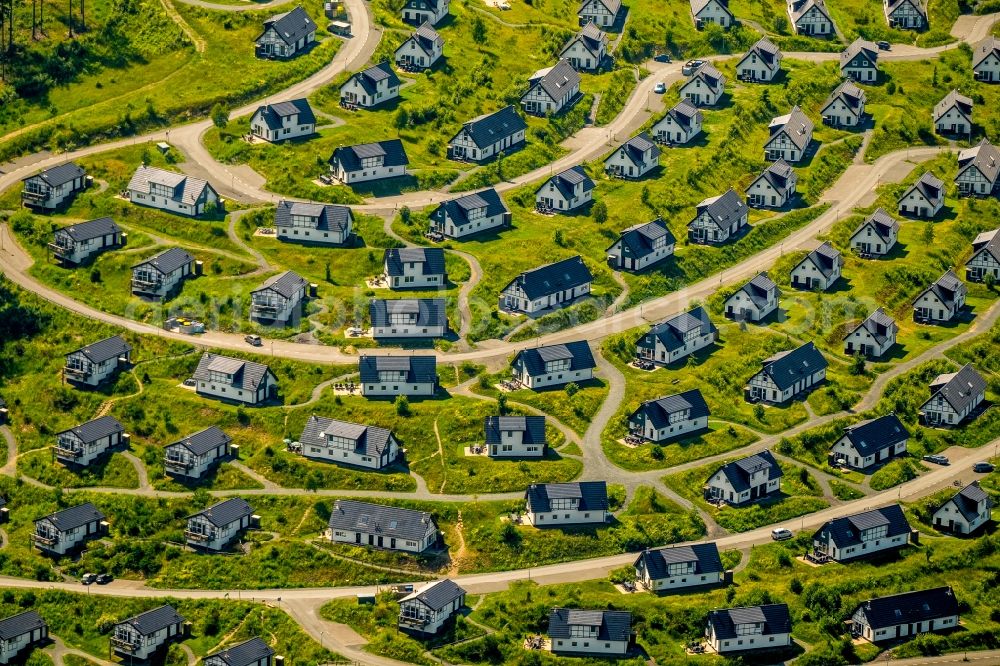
[(34, 197), (146, 285), (61, 250), (178, 464), (191, 535), (62, 452), (124, 645), (44, 539), (79, 372), (411, 621)]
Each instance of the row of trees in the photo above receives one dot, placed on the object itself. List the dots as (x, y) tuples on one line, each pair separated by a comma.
[(9, 10)]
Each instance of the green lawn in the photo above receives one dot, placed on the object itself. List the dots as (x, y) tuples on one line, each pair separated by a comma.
[(146, 72), (720, 438), (800, 494), (575, 411), (857, 18)]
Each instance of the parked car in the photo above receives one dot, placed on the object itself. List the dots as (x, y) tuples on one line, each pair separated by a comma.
[(104, 578), (660, 88), (690, 66), (781, 534), (663, 57), (983, 467), (88, 578), (885, 46), (937, 459), (253, 340)]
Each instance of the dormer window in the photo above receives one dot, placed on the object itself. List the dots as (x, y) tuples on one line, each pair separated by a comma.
[(557, 365), (386, 376), (220, 377), (476, 213)]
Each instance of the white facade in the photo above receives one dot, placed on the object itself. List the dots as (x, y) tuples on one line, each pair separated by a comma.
[(679, 426), (583, 58), (741, 306), (80, 370), (867, 240), (714, 12), (953, 121), (127, 641), (807, 275), (353, 92), (394, 387), (270, 305), (751, 67), (812, 22), (753, 639), (565, 512), (905, 15), (700, 93), (11, 647), (292, 126), (554, 376), (190, 196), (48, 538), (949, 517), (845, 450), (761, 387), (761, 485), (149, 282), (838, 112), (597, 12), (983, 262), (988, 68), (928, 307), (552, 197), (416, 54), (916, 203), (862, 341), (179, 461), (871, 543), (432, 11), (38, 193), (66, 249), (541, 100), (372, 538), (514, 299), (668, 130), (680, 575), (620, 163), (416, 614), (762, 193)]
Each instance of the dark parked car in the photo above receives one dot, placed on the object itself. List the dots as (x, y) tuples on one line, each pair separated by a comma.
[(983, 467), (663, 57), (937, 459), (104, 579), (885, 46)]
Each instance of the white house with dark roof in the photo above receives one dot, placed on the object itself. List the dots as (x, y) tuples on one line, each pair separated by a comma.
[(171, 191), (941, 301), (677, 337), (953, 114), (810, 18), (77, 243), (554, 365), (979, 170), (679, 567), (389, 527), (859, 61), (873, 337), (734, 630), (551, 90), (587, 49), (904, 615), (486, 136), (470, 214), (282, 121), (50, 188), (754, 301), (365, 162), (986, 60), (234, 379), (98, 361), (704, 87), (63, 531), (985, 259), (870, 442), (415, 268), (876, 235), (196, 454), (336, 441), (554, 285), (924, 198), (712, 11), (420, 50), (820, 269), (370, 87), (761, 63), (862, 534), (418, 12), (83, 444), (309, 222), (565, 191), (590, 632), (670, 417), (21, 632), (640, 246), (602, 13), (514, 436), (216, 527), (954, 397), (718, 219), (679, 125), (390, 376), (774, 187), (146, 634), (787, 375), (905, 14), (253, 652), (745, 480), (286, 35), (965, 512), (279, 299), (789, 136), (558, 504), (845, 107), (408, 318), (427, 609), (160, 276), (634, 158)]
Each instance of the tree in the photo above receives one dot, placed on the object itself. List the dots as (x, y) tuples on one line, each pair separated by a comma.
[(402, 406), (220, 117), (599, 212), (928, 235), (502, 404), (478, 31), (990, 281), (858, 364), (572, 389), (402, 118)]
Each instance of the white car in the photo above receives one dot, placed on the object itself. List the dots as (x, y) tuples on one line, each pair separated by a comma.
[(781, 534), (660, 88)]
